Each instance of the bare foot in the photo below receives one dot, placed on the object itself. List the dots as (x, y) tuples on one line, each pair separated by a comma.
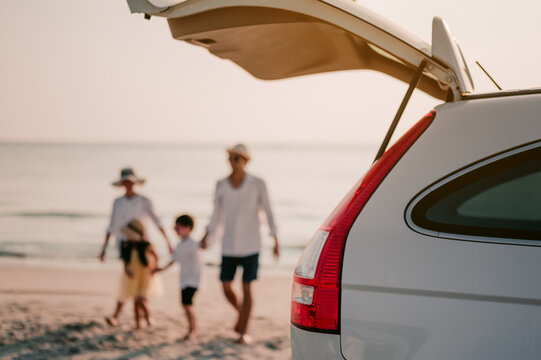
[(244, 339), (191, 335), (111, 321)]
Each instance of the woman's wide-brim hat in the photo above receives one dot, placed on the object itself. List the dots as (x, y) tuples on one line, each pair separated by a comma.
[(240, 150), (127, 174), (134, 230)]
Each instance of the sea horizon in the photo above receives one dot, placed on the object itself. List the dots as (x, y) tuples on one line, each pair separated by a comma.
[(56, 198)]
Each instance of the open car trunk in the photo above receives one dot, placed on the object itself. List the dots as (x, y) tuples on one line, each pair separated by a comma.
[(285, 38)]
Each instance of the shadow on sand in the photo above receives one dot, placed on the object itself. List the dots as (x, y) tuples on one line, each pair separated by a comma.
[(94, 340)]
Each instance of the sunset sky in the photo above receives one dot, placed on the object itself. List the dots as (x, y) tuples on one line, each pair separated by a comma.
[(89, 71)]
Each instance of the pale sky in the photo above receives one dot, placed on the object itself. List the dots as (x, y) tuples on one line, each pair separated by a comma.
[(89, 71)]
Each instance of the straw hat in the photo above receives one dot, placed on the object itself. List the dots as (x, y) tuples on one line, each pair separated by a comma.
[(240, 150), (134, 230), (128, 174)]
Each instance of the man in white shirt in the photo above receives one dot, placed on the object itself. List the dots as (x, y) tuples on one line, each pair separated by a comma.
[(126, 208), (237, 202)]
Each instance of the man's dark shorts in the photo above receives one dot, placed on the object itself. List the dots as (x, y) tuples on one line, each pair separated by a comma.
[(187, 295), (250, 265)]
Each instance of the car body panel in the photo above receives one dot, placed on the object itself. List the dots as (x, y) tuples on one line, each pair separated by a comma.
[(470, 299), (285, 38), (398, 325), (309, 345)]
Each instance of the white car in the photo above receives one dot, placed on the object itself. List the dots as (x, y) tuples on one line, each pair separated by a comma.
[(436, 252)]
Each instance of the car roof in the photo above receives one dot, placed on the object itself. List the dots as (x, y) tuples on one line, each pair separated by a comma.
[(285, 38)]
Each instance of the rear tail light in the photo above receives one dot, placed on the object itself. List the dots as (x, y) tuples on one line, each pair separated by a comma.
[(315, 301)]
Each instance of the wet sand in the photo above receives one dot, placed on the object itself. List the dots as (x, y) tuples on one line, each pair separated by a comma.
[(51, 312)]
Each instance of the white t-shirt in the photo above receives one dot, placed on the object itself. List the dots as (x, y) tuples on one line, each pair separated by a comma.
[(237, 211), (125, 209), (187, 254)]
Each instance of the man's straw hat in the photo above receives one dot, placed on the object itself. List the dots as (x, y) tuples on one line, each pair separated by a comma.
[(240, 150)]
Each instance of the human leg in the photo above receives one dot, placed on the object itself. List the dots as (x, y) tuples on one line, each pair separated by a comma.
[(227, 274), (245, 311), (145, 310), (136, 312), (230, 294), (187, 295), (250, 266), (192, 322), (113, 320)]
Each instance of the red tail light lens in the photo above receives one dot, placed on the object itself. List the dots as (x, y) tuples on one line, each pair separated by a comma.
[(315, 303)]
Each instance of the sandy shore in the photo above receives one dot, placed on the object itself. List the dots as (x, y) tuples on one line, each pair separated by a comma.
[(54, 313)]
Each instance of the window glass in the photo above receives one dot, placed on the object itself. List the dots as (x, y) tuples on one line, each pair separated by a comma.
[(518, 199), (501, 199)]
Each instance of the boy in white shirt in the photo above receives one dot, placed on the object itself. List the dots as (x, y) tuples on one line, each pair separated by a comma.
[(187, 254)]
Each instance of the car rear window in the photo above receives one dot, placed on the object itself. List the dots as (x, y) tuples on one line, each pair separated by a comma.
[(497, 199)]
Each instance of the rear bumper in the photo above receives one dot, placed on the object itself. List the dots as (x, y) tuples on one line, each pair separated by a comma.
[(313, 345)]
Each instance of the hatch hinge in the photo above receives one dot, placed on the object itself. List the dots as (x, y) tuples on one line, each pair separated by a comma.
[(413, 85)]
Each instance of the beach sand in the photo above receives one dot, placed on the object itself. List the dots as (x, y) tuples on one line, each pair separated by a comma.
[(51, 312)]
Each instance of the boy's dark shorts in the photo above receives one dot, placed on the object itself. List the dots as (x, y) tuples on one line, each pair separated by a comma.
[(250, 265), (187, 295)]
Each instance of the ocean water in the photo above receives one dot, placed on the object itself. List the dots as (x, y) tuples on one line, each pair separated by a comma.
[(56, 199)]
